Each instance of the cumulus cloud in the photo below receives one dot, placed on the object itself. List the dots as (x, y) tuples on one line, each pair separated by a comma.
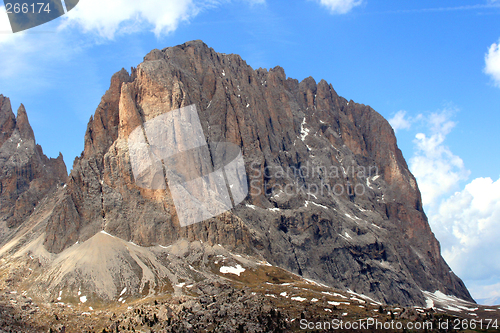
[(468, 227), (399, 121), (465, 220), (340, 6), (436, 168), (492, 63), (128, 16), (25, 56), (106, 17), (485, 292), (6, 35)]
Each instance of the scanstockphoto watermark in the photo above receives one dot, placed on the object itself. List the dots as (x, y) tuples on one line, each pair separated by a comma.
[(364, 324), (315, 179)]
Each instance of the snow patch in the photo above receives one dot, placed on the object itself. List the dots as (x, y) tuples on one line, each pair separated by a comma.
[(448, 302), (452, 308), (361, 209), (233, 270), (104, 232), (303, 130), (83, 299), (299, 299), (351, 217), (358, 300), (316, 204), (316, 283), (344, 237), (363, 296)]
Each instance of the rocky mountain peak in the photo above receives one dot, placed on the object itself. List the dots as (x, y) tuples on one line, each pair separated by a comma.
[(102, 129), (23, 125), (7, 119), (331, 197), (26, 174)]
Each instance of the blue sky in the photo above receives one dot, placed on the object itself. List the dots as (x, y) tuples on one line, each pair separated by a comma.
[(431, 68)]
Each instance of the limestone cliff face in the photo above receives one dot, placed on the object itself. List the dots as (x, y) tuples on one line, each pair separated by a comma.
[(331, 197), (26, 174)]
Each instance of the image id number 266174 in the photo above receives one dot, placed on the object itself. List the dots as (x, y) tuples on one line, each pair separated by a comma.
[(25, 8)]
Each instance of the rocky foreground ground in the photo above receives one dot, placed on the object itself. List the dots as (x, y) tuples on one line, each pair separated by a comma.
[(233, 306)]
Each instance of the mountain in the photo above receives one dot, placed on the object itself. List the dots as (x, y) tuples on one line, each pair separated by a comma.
[(331, 196), (27, 176)]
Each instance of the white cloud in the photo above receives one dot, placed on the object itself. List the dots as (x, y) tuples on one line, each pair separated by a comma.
[(466, 222), (492, 61), (6, 35), (32, 56), (468, 227), (340, 6), (436, 168), (127, 15), (400, 121), (107, 18), (485, 292)]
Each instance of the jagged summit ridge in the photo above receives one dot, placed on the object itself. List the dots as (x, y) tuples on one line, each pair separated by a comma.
[(26, 174), (376, 242)]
